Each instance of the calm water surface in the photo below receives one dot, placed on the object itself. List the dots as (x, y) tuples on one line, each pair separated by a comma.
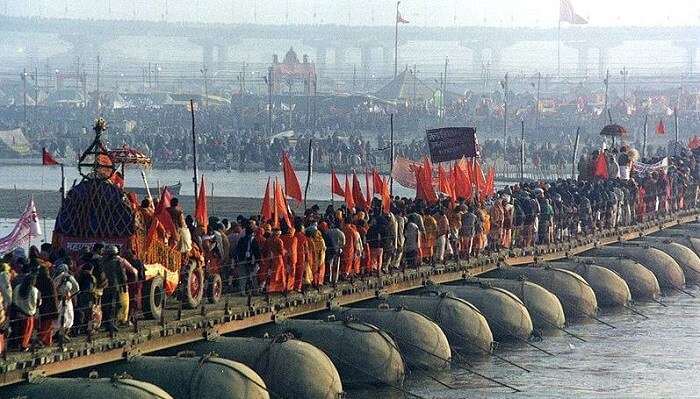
[(640, 358)]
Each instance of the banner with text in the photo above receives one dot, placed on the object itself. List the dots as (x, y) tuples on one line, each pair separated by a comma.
[(451, 143)]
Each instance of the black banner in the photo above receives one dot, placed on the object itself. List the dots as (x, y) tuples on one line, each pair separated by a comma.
[(451, 143)]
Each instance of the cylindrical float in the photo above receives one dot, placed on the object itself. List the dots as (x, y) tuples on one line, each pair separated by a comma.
[(610, 289), (85, 388), (207, 376), (363, 354), (421, 341), (506, 314), (641, 281), (686, 258), (683, 239), (289, 367), (576, 296), (464, 325), (544, 307), (667, 271)]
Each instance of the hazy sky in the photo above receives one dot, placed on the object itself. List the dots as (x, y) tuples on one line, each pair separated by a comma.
[(369, 12)]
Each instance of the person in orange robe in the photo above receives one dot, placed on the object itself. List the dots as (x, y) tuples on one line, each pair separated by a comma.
[(302, 255), (277, 255), (348, 256), (290, 260), (262, 237)]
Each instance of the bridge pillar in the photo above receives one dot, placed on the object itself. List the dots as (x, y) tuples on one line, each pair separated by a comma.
[(365, 57), (208, 55), (221, 56), (691, 49), (340, 53), (603, 54), (387, 58), (87, 48), (583, 58)]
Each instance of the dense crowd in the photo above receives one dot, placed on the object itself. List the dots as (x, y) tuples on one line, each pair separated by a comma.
[(52, 294), (349, 132)]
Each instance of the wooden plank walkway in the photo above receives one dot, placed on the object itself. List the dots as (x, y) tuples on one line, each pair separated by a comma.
[(235, 313)]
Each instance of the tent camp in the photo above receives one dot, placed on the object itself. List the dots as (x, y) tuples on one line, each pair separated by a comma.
[(406, 86)]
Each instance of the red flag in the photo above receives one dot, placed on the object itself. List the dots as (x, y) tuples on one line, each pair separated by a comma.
[(463, 185), (601, 166), (399, 18), (117, 179), (161, 217), (444, 182), (291, 183), (420, 192), (201, 211), (478, 176), (349, 200), (47, 159), (489, 185), (280, 211), (386, 196), (335, 185), (377, 183), (357, 195), (660, 129), (266, 211), (428, 189), (567, 14)]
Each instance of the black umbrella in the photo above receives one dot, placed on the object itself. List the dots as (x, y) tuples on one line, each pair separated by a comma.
[(613, 130)]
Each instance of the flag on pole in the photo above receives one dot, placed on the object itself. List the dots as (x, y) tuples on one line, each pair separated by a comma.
[(47, 159), (161, 217), (428, 189), (462, 182), (660, 128), (34, 226), (444, 183), (357, 196), (291, 182), (399, 18), (280, 206), (568, 14), (266, 211), (27, 226), (377, 183), (201, 211), (349, 200), (336, 188), (601, 166)]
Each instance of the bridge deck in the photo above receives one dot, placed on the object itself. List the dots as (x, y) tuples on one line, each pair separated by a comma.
[(233, 314)]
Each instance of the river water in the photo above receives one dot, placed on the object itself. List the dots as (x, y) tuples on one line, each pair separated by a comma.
[(226, 184), (640, 358)]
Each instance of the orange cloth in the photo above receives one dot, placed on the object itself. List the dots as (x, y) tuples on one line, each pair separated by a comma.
[(290, 260), (303, 257), (277, 254), (348, 256)]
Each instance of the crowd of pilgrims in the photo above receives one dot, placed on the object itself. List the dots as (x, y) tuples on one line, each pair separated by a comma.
[(47, 294)]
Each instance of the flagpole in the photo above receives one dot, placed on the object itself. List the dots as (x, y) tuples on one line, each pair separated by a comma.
[(391, 155), (396, 40), (63, 184), (522, 150), (675, 123), (309, 173), (194, 153), (573, 157), (559, 47)]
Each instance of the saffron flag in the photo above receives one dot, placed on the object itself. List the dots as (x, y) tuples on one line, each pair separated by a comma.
[(357, 195), (444, 182), (601, 166), (161, 217), (420, 193), (47, 159), (386, 196), (462, 182), (377, 183), (490, 182), (478, 177), (428, 189), (280, 212), (291, 183), (201, 211), (349, 201), (335, 185), (266, 210), (660, 128), (567, 14)]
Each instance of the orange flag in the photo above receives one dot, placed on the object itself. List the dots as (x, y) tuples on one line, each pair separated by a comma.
[(266, 211), (357, 195), (444, 182), (161, 217), (335, 185), (349, 200), (601, 166), (490, 182), (291, 182), (201, 211), (427, 176), (463, 185), (478, 176), (386, 196), (377, 183), (280, 211), (47, 158), (660, 129)]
